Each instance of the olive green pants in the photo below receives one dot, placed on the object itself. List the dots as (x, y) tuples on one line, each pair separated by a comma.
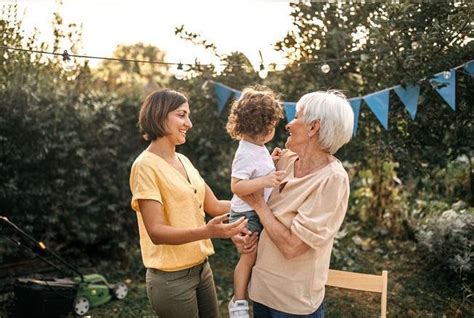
[(186, 293)]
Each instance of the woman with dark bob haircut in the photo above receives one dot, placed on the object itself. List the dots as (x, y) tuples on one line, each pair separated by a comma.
[(170, 199)]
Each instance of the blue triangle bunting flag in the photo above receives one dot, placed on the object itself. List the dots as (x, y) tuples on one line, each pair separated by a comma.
[(223, 93), (290, 110), (409, 97), (469, 67), (447, 89), (355, 104), (378, 103)]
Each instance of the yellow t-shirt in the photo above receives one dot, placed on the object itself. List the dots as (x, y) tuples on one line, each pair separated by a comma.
[(153, 178)]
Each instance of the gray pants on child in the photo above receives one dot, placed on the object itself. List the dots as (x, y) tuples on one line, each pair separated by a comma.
[(253, 224)]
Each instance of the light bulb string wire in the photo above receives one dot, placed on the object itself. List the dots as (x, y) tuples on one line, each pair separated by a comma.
[(67, 55)]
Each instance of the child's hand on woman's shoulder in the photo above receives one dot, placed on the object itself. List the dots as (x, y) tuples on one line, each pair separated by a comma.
[(276, 153)]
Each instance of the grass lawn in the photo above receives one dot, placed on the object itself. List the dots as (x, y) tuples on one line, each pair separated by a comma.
[(413, 290)]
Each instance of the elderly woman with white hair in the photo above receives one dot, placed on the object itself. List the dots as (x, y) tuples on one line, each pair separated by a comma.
[(303, 213)]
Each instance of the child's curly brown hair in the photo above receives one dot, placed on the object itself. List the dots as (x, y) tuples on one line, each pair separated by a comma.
[(255, 114)]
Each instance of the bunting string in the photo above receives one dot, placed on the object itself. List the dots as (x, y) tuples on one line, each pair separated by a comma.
[(378, 102)]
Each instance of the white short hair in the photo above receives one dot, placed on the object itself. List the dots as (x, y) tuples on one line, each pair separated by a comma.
[(335, 116)]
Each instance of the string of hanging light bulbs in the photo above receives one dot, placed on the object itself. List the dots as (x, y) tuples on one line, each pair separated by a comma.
[(180, 73)]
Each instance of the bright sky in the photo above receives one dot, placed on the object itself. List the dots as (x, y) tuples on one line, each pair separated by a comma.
[(246, 25)]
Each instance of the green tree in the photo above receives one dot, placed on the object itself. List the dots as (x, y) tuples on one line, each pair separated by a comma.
[(65, 149), (370, 47), (133, 76)]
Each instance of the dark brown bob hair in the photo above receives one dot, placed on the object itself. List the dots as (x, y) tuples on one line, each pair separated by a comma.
[(155, 109)]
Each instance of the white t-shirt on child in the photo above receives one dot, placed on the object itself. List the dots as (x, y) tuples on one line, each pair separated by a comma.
[(250, 161)]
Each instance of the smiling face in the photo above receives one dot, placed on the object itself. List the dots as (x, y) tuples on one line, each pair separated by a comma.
[(298, 131), (177, 124)]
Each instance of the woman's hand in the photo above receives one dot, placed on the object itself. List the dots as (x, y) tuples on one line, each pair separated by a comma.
[(245, 242), (218, 229)]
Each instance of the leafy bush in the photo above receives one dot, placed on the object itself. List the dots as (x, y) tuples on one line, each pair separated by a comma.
[(65, 153), (445, 242), (378, 197)]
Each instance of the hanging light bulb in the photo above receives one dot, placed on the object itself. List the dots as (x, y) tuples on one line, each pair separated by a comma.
[(67, 63), (262, 73), (447, 74), (179, 72), (414, 45), (325, 68)]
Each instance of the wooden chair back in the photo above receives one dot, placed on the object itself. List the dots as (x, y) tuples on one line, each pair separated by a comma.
[(363, 282)]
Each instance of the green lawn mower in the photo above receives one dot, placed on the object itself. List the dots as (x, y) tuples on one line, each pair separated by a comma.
[(56, 297)]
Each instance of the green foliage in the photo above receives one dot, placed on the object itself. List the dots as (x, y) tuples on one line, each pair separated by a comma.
[(373, 46), (124, 77), (67, 139), (378, 197), (445, 242), (375, 59), (66, 150), (451, 180), (371, 43)]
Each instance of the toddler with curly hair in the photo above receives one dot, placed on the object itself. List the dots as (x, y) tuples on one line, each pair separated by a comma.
[(252, 121)]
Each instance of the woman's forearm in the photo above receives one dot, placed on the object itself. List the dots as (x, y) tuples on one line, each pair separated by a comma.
[(279, 234), (161, 233), (170, 235), (217, 227), (213, 206), (287, 242), (220, 207)]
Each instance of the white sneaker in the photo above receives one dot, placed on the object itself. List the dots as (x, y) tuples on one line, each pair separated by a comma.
[(238, 309)]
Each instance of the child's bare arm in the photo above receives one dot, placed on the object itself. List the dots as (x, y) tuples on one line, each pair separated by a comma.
[(244, 187)]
